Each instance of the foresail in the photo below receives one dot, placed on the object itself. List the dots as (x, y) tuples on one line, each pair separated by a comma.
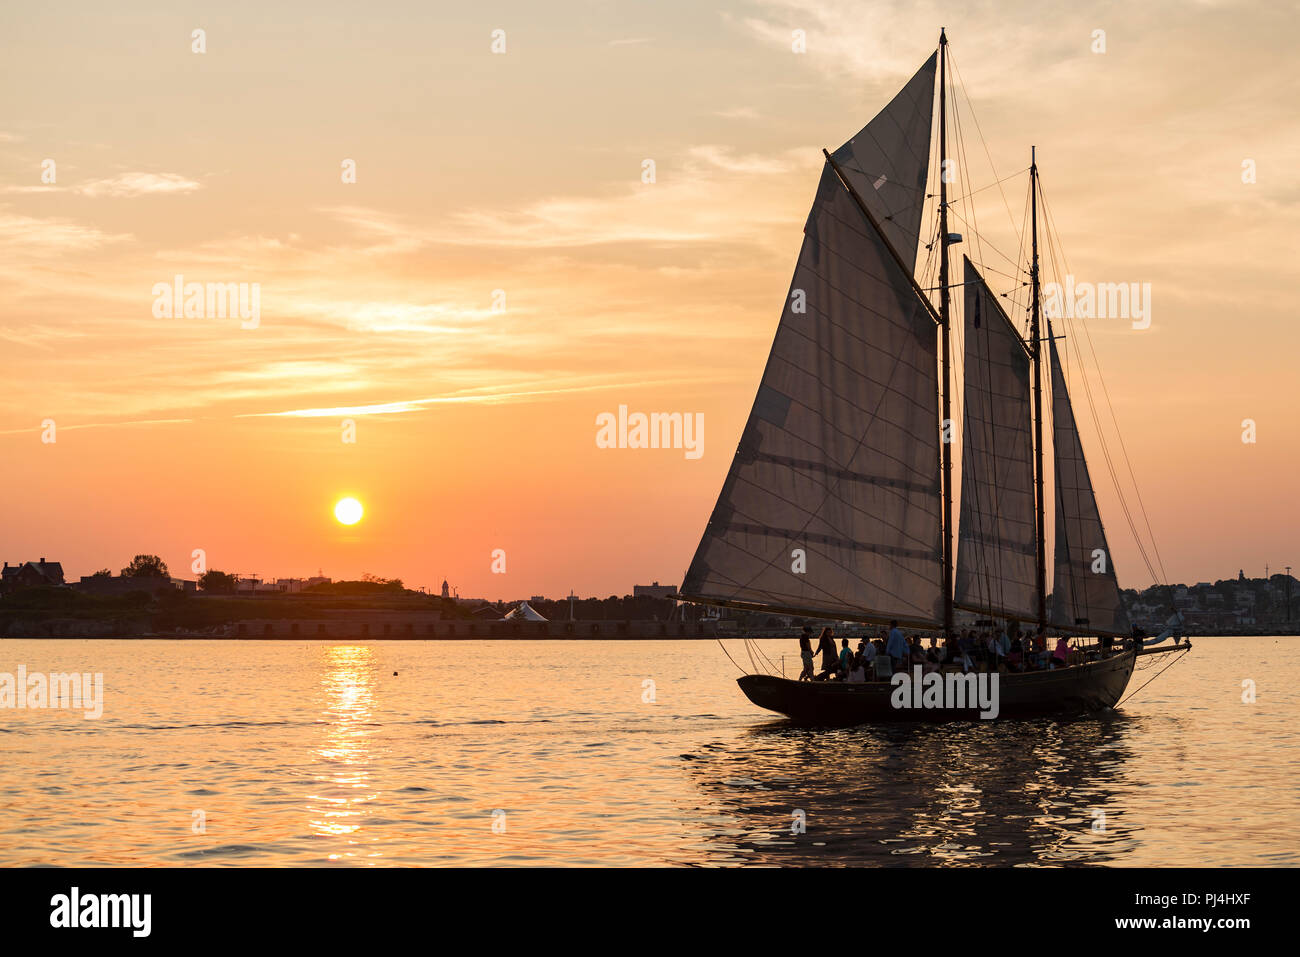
[(997, 534), (1085, 595), (888, 159), (831, 505)]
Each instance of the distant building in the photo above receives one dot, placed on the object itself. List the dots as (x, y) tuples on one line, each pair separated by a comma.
[(446, 589), (654, 590), (31, 574), (255, 586)]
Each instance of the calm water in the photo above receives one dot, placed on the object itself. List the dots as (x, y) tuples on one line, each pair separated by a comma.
[(307, 753)]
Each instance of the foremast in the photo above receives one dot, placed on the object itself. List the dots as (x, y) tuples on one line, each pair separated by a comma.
[(1036, 342), (946, 430)]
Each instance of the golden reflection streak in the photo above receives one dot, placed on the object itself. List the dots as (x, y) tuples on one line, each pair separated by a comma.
[(344, 755)]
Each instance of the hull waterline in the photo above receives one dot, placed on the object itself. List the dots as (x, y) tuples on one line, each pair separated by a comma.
[(1091, 687)]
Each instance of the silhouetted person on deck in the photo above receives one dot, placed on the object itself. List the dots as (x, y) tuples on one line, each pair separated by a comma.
[(830, 656), (896, 646), (806, 654)]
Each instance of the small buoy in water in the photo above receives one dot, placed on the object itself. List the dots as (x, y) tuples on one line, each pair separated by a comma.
[(394, 674)]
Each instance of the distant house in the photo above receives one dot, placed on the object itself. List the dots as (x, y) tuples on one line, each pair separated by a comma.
[(31, 574), (487, 612)]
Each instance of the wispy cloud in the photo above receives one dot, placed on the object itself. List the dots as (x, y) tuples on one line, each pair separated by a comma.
[(484, 395), (138, 184), (694, 200), (51, 234)]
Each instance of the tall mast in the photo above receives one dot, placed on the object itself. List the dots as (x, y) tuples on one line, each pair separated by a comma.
[(1036, 339), (945, 418)]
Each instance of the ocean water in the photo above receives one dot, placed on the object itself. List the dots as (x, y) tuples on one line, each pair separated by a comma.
[(636, 753)]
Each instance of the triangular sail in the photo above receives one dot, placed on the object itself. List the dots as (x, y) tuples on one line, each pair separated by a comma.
[(887, 161), (997, 535), (831, 506), (1085, 596)]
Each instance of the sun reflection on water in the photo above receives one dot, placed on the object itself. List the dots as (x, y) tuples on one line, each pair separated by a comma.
[(342, 760)]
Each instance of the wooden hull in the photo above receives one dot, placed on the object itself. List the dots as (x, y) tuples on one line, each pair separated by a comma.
[(1094, 686)]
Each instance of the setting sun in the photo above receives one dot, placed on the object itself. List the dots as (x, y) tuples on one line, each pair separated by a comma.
[(348, 511)]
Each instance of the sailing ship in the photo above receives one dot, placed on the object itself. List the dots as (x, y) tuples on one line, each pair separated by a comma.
[(838, 502)]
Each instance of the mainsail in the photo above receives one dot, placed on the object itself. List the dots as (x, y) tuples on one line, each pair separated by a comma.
[(1085, 596), (887, 161), (997, 533), (831, 506)]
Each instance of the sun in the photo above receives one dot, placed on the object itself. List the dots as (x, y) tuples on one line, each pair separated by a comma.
[(348, 511)]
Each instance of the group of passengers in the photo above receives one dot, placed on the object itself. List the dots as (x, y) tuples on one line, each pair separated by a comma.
[(891, 651)]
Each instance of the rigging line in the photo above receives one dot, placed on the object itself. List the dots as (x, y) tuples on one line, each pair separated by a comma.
[(990, 564), (1123, 447), (981, 240), (977, 241), (981, 189), (762, 654), (1154, 677), (1079, 463), (1022, 256), (1092, 408), (970, 106), (728, 654)]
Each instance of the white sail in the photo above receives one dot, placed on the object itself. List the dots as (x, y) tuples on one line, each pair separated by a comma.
[(888, 159), (997, 543), (832, 503), (1085, 594)]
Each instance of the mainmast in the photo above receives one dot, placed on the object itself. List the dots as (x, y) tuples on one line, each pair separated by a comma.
[(945, 416), (1036, 340)]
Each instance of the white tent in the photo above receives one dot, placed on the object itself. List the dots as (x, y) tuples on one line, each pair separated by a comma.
[(524, 612)]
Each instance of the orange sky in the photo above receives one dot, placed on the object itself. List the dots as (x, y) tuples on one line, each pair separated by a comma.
[(522, 172)]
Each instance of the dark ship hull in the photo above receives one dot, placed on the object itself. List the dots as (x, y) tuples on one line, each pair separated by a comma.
[(1080, 689)]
